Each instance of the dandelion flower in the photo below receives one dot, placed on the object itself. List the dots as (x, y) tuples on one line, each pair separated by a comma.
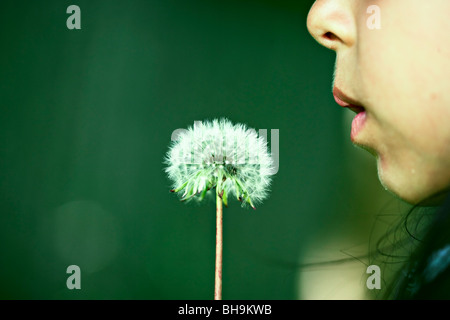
[(229, 157)]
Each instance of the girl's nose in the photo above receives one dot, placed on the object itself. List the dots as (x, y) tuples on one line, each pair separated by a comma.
[(332, 23)]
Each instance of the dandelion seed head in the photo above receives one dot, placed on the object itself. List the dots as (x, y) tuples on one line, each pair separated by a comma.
[(219, 154)]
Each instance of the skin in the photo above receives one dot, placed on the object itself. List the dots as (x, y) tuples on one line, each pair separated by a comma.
[(400, 74)]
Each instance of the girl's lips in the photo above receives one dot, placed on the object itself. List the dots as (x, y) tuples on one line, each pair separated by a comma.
[(344, 101), (357, 125)]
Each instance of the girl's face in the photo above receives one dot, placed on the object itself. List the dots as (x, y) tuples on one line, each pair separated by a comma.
[(397, 78)]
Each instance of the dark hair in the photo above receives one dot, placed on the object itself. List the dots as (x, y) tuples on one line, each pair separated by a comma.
[(415, 254)]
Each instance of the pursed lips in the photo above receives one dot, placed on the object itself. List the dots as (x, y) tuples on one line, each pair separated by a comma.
[(346, 102)]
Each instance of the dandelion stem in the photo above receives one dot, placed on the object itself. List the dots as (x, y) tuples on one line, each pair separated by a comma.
[(219, 246)]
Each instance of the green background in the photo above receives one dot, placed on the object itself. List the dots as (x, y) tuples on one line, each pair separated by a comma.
[(86, 119)]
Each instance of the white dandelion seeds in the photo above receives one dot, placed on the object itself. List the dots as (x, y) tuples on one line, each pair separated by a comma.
[(217, 154), (233, 159)]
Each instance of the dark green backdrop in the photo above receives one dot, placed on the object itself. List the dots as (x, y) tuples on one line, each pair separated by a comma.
[(87, 116)]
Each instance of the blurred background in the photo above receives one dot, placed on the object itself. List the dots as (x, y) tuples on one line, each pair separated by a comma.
[(87, 117)]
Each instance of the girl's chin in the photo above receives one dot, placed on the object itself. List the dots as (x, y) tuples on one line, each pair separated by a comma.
[(392, 181), (407, 190)]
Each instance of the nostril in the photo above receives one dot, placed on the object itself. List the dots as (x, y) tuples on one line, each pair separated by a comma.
[(330, 36)]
